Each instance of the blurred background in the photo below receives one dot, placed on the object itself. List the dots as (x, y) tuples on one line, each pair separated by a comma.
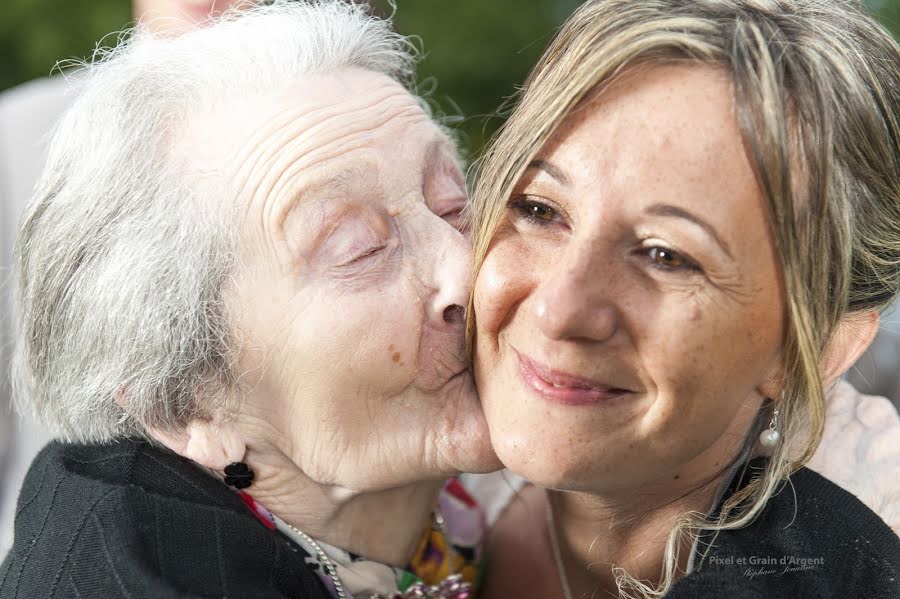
[(477, 51)]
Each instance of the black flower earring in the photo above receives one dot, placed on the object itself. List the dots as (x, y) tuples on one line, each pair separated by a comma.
[(238, 475)]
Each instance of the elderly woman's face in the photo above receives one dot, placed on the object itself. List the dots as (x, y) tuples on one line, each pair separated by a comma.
[(348, 301), (629, 309)]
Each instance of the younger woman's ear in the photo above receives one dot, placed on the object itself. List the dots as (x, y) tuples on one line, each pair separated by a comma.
[(772, 385), (851, 338)]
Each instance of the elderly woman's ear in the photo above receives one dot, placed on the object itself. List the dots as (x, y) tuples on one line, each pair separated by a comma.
[(212, 444)]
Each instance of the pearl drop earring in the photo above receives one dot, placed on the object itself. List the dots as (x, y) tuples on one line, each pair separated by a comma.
[(769, 438)]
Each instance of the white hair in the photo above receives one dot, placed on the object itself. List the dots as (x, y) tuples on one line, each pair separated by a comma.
[(120, 265)]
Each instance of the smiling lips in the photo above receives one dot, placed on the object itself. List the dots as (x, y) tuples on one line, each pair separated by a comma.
[(563, 388)]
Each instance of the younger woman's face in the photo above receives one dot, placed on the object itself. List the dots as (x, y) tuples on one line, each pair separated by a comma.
[(629, 310)]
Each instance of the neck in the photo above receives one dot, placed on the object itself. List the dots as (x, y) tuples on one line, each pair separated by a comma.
[(384, 525), (596, 533)]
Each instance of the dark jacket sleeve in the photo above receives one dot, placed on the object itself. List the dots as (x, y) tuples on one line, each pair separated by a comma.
[(85, 533)]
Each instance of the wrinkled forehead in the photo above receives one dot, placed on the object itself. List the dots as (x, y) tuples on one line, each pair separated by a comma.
[(310, 113), (337, 134)]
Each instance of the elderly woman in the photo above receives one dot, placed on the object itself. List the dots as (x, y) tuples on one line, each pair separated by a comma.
[(243, 268), (684, 233)]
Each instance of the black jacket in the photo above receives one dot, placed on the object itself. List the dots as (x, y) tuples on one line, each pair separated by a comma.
[(132, 520), (813, 540)]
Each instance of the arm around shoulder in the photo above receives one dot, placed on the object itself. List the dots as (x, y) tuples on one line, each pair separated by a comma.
[(860, 449)]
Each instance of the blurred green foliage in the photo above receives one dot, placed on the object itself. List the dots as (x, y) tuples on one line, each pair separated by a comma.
[(477, 51), (35, 34)]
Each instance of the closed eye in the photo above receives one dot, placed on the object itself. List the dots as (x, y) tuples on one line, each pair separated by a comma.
[(458, 219), (363, 256)]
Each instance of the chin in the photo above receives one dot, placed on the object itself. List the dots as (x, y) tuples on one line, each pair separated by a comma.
[(541, 460)]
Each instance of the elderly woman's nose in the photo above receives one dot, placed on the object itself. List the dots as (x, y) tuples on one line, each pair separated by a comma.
[(452, 280), (573, 302)]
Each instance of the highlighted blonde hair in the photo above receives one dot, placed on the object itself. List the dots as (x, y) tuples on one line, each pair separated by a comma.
[(817, 91)]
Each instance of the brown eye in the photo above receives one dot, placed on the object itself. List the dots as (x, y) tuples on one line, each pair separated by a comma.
[(667, 258), (533, 211), (541, 212)]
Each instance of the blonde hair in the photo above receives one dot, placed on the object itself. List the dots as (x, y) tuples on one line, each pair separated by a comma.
[(817, 93)]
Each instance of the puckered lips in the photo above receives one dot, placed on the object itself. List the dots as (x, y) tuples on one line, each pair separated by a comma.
[(562, 387)]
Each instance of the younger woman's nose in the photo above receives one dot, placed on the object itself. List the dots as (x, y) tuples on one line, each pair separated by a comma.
[(573, 303)]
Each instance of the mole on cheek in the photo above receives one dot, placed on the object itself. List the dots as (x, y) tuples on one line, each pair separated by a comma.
[(396, 358), (695, 315)]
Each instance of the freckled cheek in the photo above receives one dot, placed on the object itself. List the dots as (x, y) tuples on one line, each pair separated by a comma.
[(707, 364), (679, 354), (500, 286)]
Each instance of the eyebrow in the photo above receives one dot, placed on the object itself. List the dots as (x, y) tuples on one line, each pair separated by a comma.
[(676, 212), (359, 179), (551, 169), (352, 180)]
